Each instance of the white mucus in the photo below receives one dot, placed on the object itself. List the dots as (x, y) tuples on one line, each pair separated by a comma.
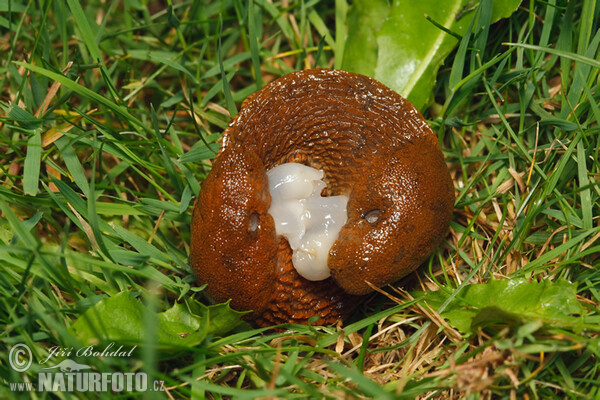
[(310, 222)]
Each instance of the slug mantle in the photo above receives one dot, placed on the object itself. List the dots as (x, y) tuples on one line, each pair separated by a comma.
[(373, 147)]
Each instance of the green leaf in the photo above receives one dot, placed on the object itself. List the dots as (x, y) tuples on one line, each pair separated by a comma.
[(341, 13), (254, 41), (321, 27), (509, 302), (399, 47), (560, 53), (459, 60), (141, 245), (173, 176), (186, 198), (14, 6), (201, 152), (24, 117), (120, 318), (86, 31), (170, 59), (6, 232), (106, 208), (364, 20), (224, 77), (586, 199), (221, 317), (18, 226), (85, 92), (33, 159), (73, 164)]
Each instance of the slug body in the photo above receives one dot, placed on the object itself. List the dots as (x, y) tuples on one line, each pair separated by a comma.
[(372, 146)]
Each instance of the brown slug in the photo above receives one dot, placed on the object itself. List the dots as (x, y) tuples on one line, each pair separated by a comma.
[(375, 150)]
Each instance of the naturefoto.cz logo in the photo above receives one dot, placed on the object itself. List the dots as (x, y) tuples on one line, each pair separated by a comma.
[(70, 376)]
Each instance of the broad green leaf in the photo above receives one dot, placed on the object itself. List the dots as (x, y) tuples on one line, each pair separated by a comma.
[(509, 302), (364, 20), (120, 318), (221, 317), (399, 47)]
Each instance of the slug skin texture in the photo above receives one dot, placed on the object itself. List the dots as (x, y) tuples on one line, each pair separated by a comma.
[(372, 145)]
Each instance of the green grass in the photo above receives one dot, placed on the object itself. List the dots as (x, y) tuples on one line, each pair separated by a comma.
[(110, 115)]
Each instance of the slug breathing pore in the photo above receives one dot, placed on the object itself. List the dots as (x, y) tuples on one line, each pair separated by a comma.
[(309, 222)]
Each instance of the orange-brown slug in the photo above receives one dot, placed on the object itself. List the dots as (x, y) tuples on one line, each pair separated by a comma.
[(376, 152)]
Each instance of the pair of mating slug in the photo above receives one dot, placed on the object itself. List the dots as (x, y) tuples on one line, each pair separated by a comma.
[(375, 151)]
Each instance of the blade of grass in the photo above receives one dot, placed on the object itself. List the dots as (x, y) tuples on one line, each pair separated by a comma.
[(587, 22), (582, 74), (586, 199), (367, 385), (73, 164), (85, 29), (87, 93), (560, 53), (556, 252), (33, 160), (283, 23), (255, 21), (341, 12), (226, 89), (174, 178), (482, 30), (320, 26), (24, 234), (458, 65)]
